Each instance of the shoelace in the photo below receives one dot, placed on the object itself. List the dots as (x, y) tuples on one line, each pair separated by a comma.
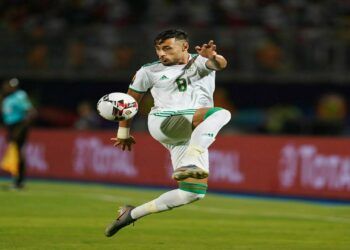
[(121, 213)]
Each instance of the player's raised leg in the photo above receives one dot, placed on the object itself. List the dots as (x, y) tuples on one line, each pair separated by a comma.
[(207, 123)]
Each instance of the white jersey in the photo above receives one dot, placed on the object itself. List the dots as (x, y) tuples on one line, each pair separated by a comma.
[(175, 88)]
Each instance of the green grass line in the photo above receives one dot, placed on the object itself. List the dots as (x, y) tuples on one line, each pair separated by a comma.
[(49, 215)]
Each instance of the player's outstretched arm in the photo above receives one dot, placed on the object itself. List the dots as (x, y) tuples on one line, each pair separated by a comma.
[(124, 140), (208, 50)]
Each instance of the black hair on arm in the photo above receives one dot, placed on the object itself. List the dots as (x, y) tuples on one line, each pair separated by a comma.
[(172, 33)]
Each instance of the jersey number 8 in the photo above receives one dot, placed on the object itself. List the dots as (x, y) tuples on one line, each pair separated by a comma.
[(181, 84)]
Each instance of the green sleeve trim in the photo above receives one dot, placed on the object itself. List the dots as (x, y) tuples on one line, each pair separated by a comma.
[(137, 91), (211, 111), (197, 188)]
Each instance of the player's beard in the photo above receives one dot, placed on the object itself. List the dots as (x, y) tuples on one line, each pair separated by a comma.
[(168, 62)]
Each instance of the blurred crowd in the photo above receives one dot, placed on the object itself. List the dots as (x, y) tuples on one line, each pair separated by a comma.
[(272, 14), (304, 41), (93, 36)]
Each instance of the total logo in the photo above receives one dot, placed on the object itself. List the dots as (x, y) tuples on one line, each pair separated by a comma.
[(304, 165), (92, 155)]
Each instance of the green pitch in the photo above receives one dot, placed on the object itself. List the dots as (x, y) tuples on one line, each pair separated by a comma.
[(71, 216)]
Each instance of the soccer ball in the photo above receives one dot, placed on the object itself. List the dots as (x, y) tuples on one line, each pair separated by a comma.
[(117, 106)]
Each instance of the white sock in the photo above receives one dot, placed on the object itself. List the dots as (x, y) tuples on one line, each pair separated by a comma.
[(166, 201), (204, 135)]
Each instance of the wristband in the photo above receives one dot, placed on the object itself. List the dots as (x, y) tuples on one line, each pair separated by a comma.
[(123, 133)]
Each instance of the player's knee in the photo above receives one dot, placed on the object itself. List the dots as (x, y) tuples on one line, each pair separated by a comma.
[(225, 114), (221, 113), (189, 197), (192, 191)]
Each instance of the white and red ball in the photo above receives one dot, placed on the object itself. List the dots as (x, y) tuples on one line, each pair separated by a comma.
[(117, 106)]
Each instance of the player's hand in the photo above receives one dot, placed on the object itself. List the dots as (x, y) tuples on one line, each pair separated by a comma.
[(207, 50), (124, 143)]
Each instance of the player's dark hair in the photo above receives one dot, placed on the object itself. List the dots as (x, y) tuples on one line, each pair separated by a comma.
[(172, 33)]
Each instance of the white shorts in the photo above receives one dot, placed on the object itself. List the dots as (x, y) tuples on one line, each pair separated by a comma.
[(174, 133)]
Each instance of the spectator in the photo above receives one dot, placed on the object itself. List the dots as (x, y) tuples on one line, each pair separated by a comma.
[(331, 115), (88, 118), (283, 118)]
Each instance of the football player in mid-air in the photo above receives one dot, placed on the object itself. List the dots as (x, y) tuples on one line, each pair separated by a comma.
[(183, 119)]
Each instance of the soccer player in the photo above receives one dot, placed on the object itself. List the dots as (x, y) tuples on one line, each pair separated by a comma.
[(183, 119)]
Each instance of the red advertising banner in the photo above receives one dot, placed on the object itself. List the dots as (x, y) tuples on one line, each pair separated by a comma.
[(293, 166)]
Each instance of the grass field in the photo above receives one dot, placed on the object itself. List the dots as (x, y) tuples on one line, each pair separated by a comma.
[(51, 215)]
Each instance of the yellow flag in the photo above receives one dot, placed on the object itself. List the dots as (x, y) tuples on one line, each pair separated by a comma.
[(10, 160)]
